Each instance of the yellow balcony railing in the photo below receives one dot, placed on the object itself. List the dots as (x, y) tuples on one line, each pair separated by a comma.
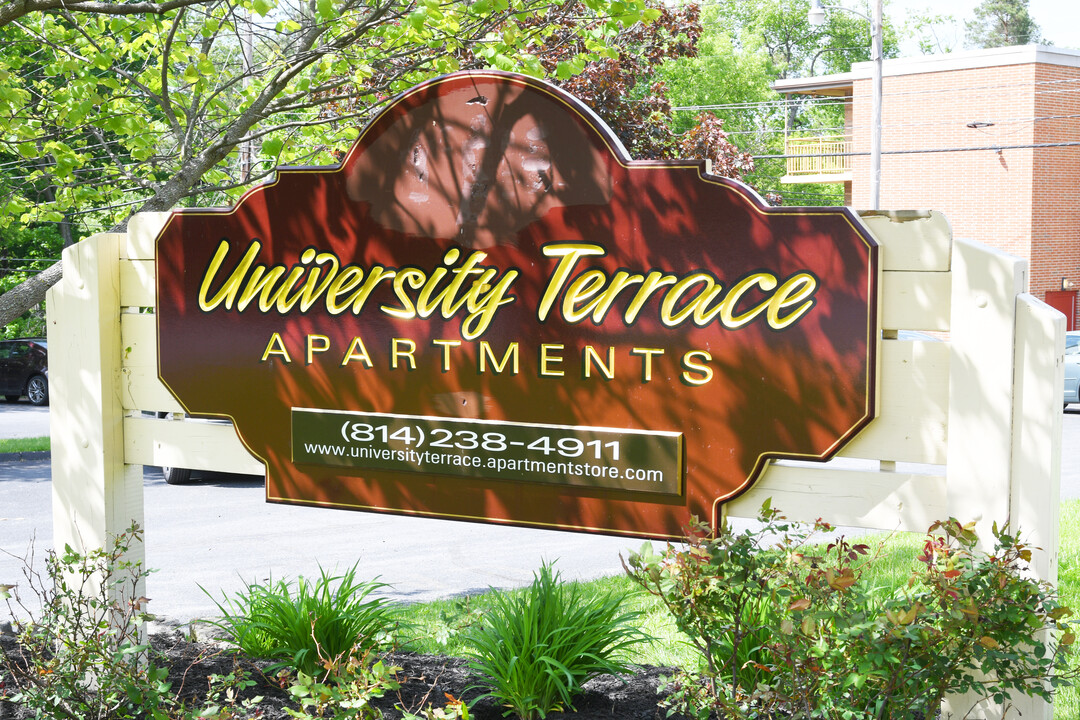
[(818, 155)]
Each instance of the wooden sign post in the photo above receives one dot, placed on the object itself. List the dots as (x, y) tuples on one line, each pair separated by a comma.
[(968, 426)]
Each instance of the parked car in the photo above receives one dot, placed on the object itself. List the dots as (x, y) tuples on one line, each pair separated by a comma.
[(1072, 367), (24, 370)]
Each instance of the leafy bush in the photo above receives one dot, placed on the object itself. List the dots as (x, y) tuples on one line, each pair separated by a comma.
[(78, 657), (534, 649), (455, 709), (719, 590), (311, 627), (347, 692), (785, 628), (82, 655), (966, 621)]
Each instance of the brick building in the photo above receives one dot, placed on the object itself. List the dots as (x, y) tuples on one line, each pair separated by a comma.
[(989, 137)]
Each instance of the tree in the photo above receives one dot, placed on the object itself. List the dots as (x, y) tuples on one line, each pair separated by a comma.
[(24, 251), (934, 33), (621, 88), (121, 113), (745, 46), (999, 23)]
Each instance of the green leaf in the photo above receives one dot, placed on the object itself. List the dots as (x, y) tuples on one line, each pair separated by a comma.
[(326, 9), (272, 146), (531, 65)]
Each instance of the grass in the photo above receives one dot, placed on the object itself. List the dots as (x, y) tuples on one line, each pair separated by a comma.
[(440, 626), (1067, 703), (15, 445)]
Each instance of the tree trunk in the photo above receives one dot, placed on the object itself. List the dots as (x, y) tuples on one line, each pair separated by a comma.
[(31, 292), (28, 294)]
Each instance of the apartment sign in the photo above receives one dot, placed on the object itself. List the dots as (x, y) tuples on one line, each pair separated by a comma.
[(489, 312)]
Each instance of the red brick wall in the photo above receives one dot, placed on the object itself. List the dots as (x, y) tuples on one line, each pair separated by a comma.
[(1021, 200), (1055, 230)]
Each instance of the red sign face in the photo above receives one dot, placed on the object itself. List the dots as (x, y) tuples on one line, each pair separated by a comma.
[(489, 312)]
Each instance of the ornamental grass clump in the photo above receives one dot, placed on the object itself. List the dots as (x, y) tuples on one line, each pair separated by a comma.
[(535, 648), (311, 627)]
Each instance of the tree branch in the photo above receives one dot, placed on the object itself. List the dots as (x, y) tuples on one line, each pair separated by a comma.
[(15, 9)]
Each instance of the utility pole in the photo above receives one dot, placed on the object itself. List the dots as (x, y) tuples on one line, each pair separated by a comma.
[(246, 151), (816, 17), (875, 123)]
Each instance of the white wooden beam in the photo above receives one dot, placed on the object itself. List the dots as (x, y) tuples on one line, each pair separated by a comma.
[(986, 282), (915, 300), (913, 410), (915, 240), (195, 444), (985, 285), (1035, 508), (95, 495), (140, 388), (142, 231), (856, 498)]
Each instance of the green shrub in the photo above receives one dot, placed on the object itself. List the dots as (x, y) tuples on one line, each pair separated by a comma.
[(311, 627), (967, 621), (348, 693), (82, 656), (534, 649), (720, 592), (832, 645)]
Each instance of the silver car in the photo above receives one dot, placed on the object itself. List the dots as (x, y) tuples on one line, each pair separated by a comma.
[(1072, 367)]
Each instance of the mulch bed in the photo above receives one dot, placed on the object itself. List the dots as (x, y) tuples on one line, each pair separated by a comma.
[(425, 679)]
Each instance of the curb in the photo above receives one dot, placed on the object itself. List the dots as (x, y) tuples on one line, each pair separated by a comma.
[(20, 457)]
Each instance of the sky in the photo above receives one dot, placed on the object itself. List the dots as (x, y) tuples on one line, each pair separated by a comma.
[(1059, 20)]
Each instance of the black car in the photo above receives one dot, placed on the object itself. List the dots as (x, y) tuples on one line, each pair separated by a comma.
[(24, 370)]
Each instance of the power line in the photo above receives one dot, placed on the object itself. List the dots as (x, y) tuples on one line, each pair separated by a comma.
[(947, 122), (28, 260), (802, 100), (994, 148)]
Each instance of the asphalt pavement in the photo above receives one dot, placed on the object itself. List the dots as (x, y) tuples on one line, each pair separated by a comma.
[(23, 420), (218, 534)]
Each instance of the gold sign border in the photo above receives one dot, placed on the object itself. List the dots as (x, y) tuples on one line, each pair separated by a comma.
[(621, 156)]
